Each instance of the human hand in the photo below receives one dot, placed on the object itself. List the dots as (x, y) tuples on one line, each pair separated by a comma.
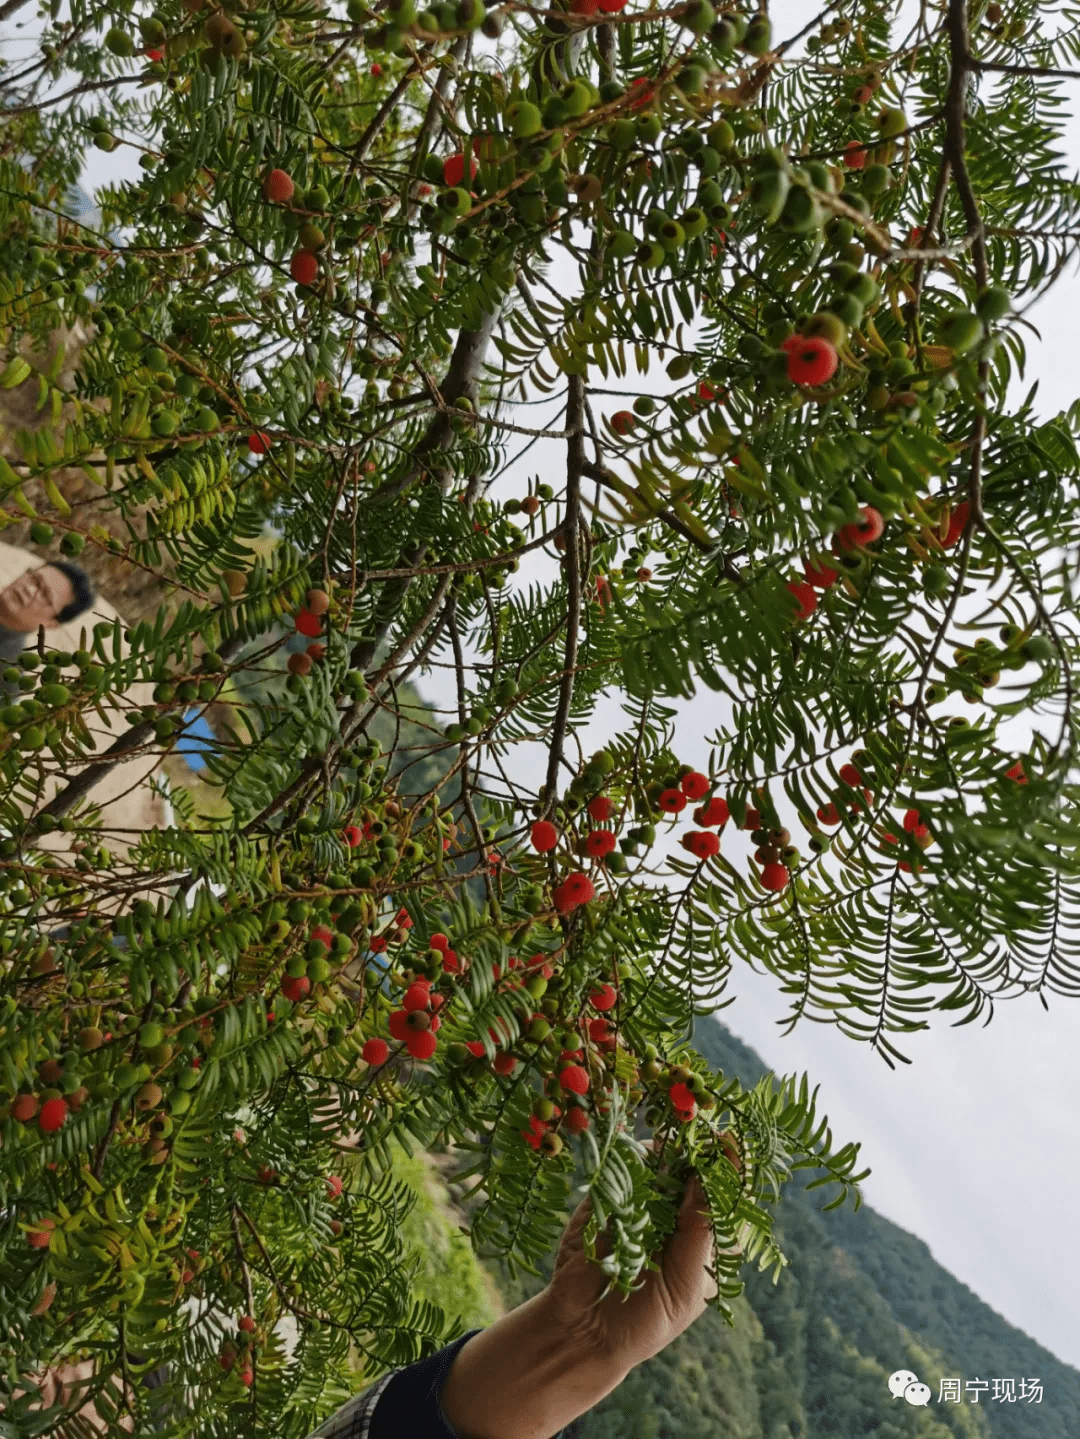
[(628, 1331)]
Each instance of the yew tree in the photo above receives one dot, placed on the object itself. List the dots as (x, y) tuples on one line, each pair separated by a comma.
[(373, 257)]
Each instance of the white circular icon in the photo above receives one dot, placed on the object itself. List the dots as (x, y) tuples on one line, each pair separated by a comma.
[(917, 1393)]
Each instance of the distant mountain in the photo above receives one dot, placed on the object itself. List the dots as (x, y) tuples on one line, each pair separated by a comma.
[(861, 1299)]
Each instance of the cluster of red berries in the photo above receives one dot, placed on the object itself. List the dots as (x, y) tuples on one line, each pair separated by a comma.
[(417, 1021), (820, 575)]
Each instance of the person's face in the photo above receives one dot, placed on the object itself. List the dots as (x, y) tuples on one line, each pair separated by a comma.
[(35, 598)]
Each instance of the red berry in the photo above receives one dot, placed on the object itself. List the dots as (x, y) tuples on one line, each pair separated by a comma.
[(23, 1107), (278, 187), (672, 801), (694, 785), (702, 844), (576, 1121), (375, 1051), (574, 1078), (854, 155), (706, 391), (850, 775), (295, 987), (422, 1045), (622, 422), (869, 529), (612, 7), (821, 576), (307, 624), (323, 935), (416, 997), (38, 1237), (352, 835), (1016, 773), (378, 944), (680, 1096), (911, 820), (451, 964), (247, 1378), (957, 524), (544, 836), (578, 888), (259, 443), (599, 843), (439, 941), (714, 813), (753, 819), (475, 1047), (805, 599), (453, 170), (828, 814), (246, 1323), (376, 70), (584, 7), (775, 876), (684, 1116), (605, 997), (504, 1064), (601, 808), (52, 1116), (599, 1030), (303, 267), (812, 361), (398, 1024)]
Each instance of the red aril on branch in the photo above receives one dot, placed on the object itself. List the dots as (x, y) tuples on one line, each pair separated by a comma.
[(912, 820), (600, 808), (422, 1045), (828, 814), (694, 785), (453, 171), (622, 422), (605, 997), (671, 801), (278, 187), (417, 996), (1017, 773), (439, 941), (775, 877), (576, 1121), (303, 267), (701, 843), (854, 155), (811, 361), (259, 443), (714, 813), (544, 836), (957, 524), (805, 599), (850, 775), (38, 1237), (870, 528), (819, 574), (295, 987), (352, 835), (53, 1114), (599, 842), (398, 1025), (575, 1078), (307, 624), (375, 1051)]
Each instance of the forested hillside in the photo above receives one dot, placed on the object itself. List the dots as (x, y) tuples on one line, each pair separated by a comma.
[(809, 1358)]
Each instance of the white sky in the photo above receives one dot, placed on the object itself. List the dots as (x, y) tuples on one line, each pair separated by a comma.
[(971, 1145)]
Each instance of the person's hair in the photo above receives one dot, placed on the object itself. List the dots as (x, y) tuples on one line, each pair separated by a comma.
[(83, 586)]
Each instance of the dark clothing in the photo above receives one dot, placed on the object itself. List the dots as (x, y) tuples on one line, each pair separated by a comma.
[(404, 1404)]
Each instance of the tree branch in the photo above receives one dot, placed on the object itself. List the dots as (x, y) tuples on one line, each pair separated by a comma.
[(575, 469)]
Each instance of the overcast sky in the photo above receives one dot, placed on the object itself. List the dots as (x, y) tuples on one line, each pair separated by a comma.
[(970, 1145)]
